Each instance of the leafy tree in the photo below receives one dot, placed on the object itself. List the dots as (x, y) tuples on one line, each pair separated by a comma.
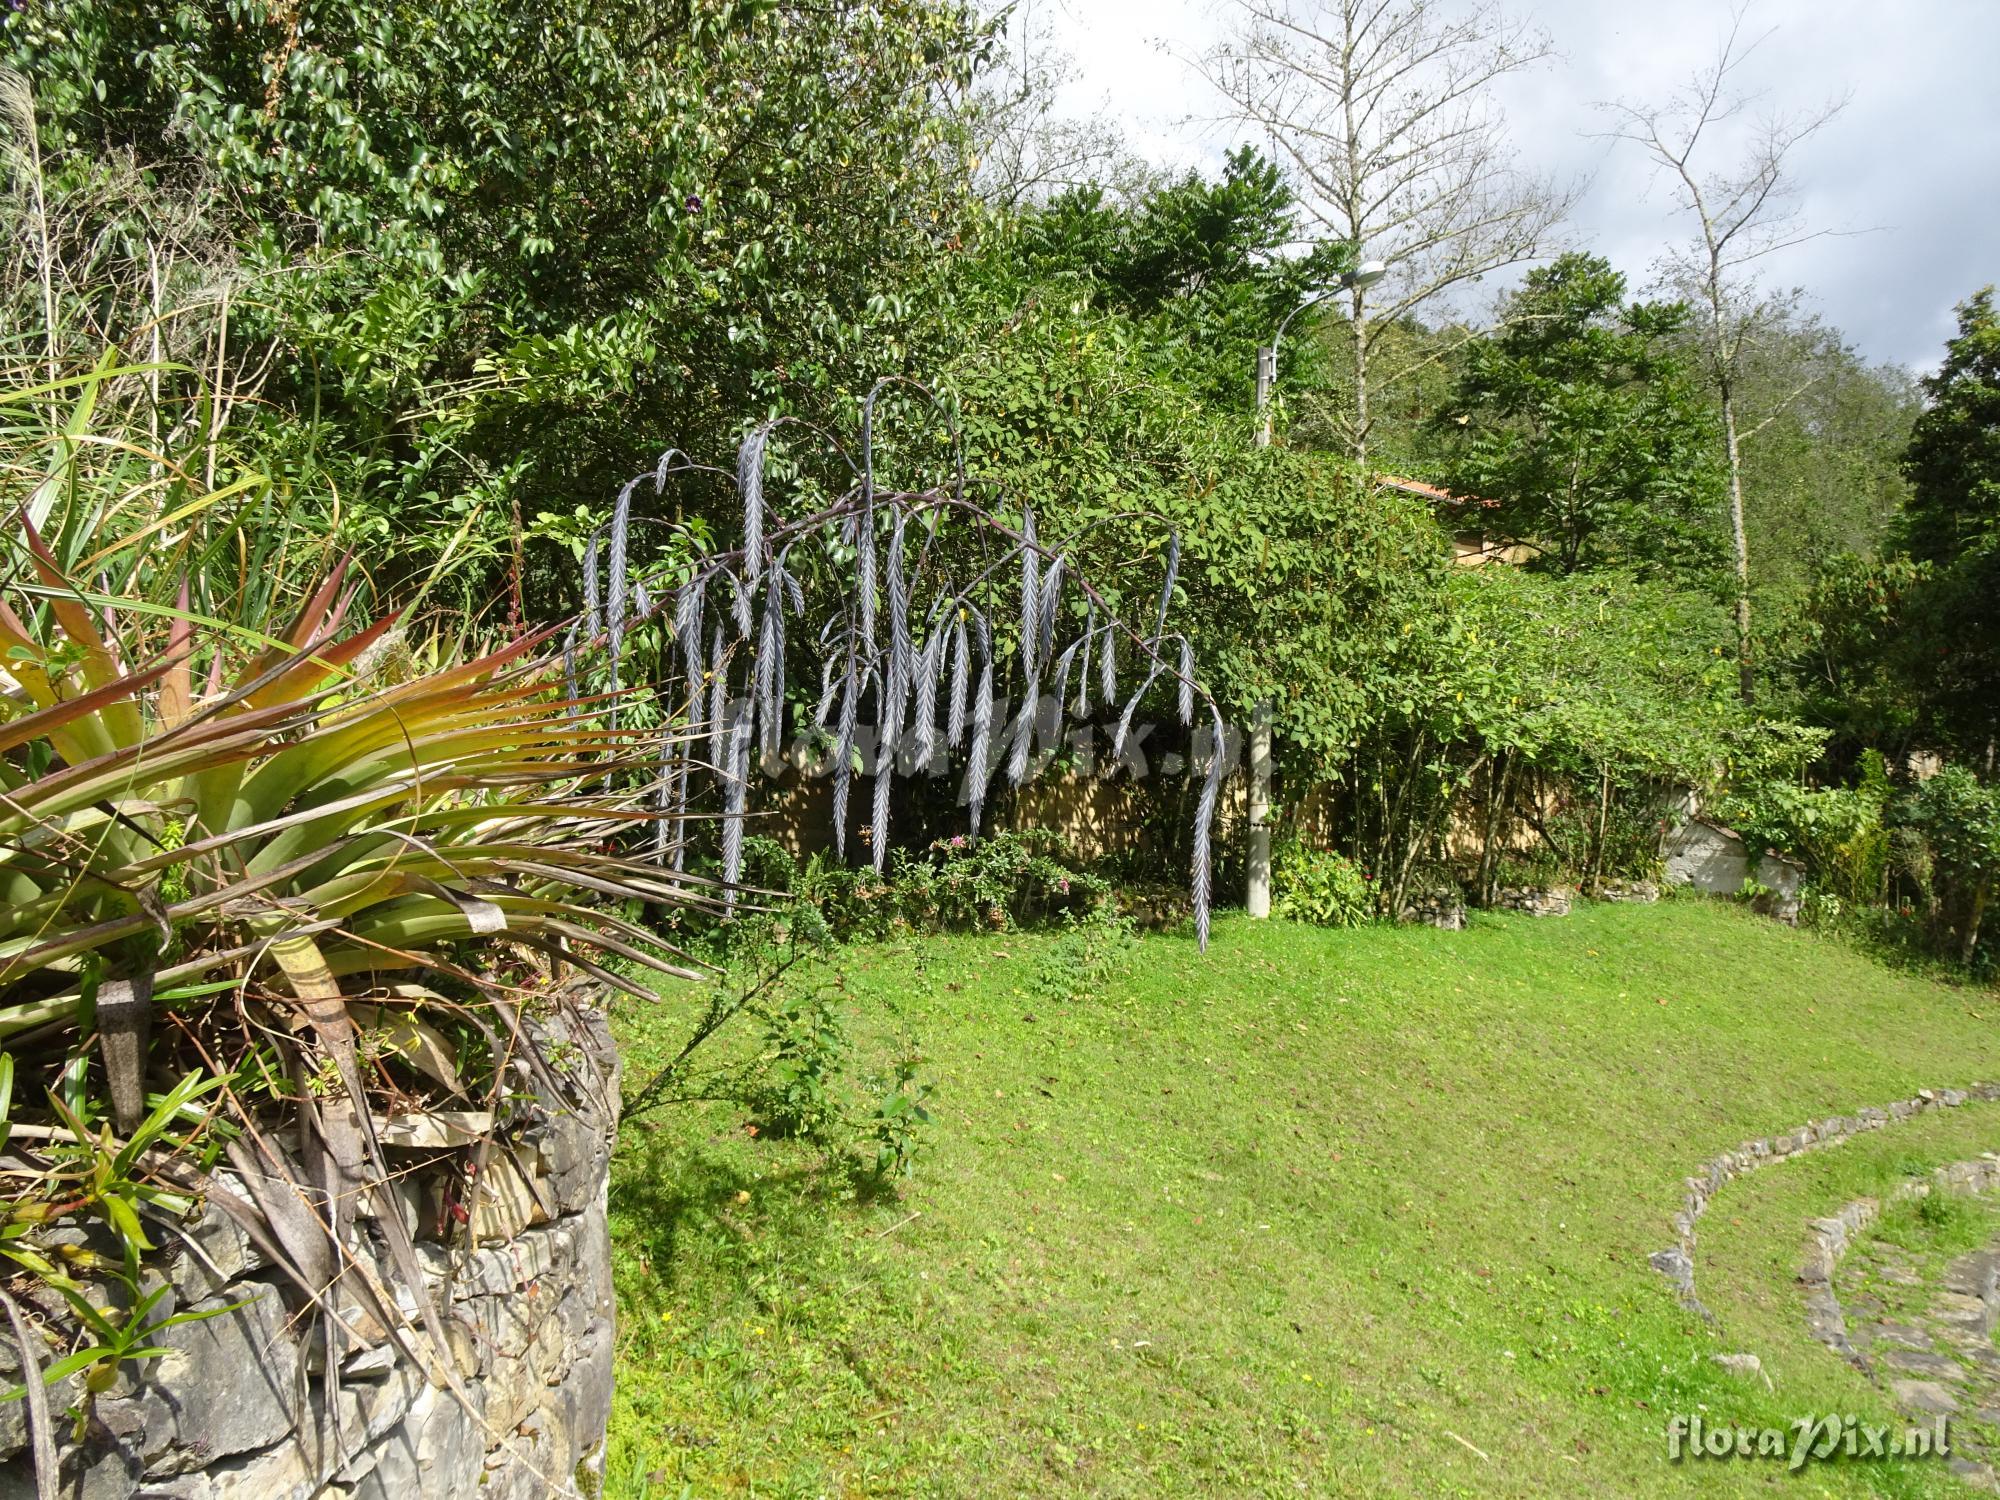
[(1898, 653), (1198, 264), (1823, 469), (1582, 421), (1953, 461), (1951, 825), (1853, 662), (1953, 523), (505, 250), (1297, 583)]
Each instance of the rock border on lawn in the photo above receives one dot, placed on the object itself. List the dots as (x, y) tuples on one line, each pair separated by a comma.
[(1535, 900), (237, 1409), (1676, 1262), (1832, 1235), (1927, 1391)]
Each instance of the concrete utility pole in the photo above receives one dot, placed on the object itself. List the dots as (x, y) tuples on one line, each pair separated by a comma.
[(1257, 899)]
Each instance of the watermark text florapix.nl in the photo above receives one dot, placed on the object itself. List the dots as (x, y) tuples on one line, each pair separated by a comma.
[(1807, 1439)]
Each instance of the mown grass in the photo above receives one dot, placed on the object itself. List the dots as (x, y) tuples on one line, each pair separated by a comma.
[(1317, 1213)]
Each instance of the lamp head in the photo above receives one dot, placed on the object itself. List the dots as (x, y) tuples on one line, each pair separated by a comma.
[(1366, 274)]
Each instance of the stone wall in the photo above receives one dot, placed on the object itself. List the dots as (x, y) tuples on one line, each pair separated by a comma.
[(239, 1409), (1535, 901), (1708, 857), (1676, 1262)]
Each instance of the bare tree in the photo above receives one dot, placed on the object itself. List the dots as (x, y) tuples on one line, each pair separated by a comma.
[(1744, 211), (1026, 148), (1384, 111)]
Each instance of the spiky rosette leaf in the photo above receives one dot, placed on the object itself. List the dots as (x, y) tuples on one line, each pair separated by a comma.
[(393, 820)]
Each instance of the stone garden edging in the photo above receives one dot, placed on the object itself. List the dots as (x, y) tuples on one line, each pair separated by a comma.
[(1832, 1235), (1912, 1359), (1676, 1262), (238, 1407)]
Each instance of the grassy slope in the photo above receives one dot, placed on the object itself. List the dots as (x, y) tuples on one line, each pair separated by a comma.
[(1317, 1213)]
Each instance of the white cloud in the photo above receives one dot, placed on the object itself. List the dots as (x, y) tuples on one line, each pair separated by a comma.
[(1915, 157)]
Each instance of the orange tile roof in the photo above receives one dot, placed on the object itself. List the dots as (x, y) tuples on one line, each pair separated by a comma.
[(1431, 491)]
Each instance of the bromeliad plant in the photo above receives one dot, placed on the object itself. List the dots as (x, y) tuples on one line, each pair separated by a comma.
[(254, 878), (301, 825)]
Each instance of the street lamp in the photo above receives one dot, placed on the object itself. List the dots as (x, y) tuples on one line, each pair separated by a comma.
[(1257, 899), (1366, 274)]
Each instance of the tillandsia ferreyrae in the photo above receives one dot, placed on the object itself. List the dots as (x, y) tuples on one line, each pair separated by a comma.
[(909, 669)]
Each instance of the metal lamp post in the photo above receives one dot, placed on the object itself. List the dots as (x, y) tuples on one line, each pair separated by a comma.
[(1257, 899)]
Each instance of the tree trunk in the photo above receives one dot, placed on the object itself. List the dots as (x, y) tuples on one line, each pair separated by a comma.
[(1499, 797), (1740, 540), (1976, 911), (1493, 776), (1594, 875), (1358, 328)]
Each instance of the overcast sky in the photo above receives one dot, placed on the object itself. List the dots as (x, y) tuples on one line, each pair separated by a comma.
[(1914, 158)]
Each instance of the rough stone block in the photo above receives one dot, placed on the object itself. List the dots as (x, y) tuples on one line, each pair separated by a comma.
[(1747, 1366), (1924, 1396), (228, 1384), (233, 1411), (436, 1450), (1673, 1263)]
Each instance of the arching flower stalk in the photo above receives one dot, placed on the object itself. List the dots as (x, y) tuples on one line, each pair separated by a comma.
[(877, 694)]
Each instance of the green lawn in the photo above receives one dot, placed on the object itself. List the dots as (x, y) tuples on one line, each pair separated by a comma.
[(1316, 1213)]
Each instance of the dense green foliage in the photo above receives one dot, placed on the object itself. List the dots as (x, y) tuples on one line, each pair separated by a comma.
[(1320, 886), (1583, 420), (1822, 463), (1953, 853), (435, 284), (1018, 878), (1953, 462), (507, 252), (1953, 523)]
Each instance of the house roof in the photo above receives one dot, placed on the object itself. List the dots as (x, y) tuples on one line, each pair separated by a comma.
[(1431, 491)]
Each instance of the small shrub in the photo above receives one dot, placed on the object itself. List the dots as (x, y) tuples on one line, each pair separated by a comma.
[(792, 1087), (803, 1082), (897, 1124), (1089, 950), (999, 883), (1840, 833), (1535, 869), (1319, 886)]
